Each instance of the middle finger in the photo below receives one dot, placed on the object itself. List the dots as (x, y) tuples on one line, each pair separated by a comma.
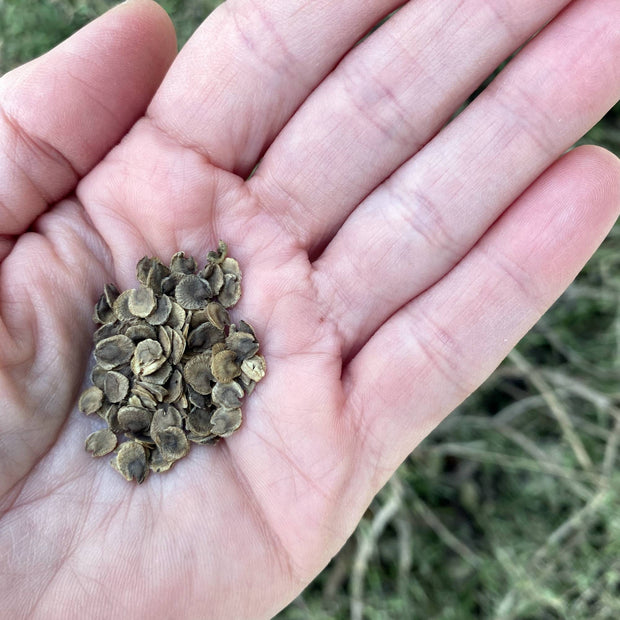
[(386, 99)]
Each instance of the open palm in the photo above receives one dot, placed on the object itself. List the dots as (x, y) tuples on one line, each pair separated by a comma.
[(388, 268)]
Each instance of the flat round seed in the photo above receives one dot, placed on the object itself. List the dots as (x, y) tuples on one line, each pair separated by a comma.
[(103, 313), (141, 302), (169, 283), (106, 331), (97, 377), (147, 358), (172, 443), (121, 306), (214, 275), (114, 351), (175, 386), (160, 376), (224, 367), (230, 293), (254, 367), (177, 317), (160, 315), (131, 462), (100, 442), (116, 386), (157, 463), (157, 272), (134, 419), (204, 337), (110, 292), (163, 337), (140, 331), (242, 344), (225, 421), (231, 266), (180, 263), (218, 315), (246, 328), (227, 395), (164, 418), (199, 421), (91, 400), (197, 373), (217, 256), (178, 343), (192, 292)]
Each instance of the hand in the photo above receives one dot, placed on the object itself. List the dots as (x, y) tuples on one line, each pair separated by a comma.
[(389, 265)]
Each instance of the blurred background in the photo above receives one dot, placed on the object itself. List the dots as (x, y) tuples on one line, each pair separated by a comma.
[(510, 509)]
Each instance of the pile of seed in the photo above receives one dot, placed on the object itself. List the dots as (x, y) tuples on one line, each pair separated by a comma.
[(170, 367)]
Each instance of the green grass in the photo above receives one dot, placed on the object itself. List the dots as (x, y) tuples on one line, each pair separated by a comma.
[(509, 510)]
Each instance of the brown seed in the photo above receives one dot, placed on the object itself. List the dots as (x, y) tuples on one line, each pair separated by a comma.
[(179, 263), (142, 269), (141, 301), (164, 418), (172, 443), (116, 386), (152, 274), (148, 357), (192, 292), (177, 317), (204, 337), (175, 386), (225, 421), (121, 306), (130, 461), (217, 256), (90, 400), (160, 315), (160, 376), (214, 275), (110, 292), (178, 347), (242, 344), (102, 312), (100, 442), (197, 373), (246, 328), (158, 391), (140, 331), (231, 266), (110, 415), (169, 283), (134, 419), (224, 368), (106, 331), (227, 395), (218, 315), (97, 377), (199, 421), (114, 351), (198, 400), (146, 398), (231, 291), (157, 463), (254, 367)]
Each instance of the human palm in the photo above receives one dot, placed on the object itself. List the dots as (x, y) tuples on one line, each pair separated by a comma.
[(385, 279)]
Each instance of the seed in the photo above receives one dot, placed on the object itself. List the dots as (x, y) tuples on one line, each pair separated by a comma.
[(101, 442), (130, 461)]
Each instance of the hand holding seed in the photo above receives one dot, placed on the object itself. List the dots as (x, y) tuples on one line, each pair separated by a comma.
[(390, 261)]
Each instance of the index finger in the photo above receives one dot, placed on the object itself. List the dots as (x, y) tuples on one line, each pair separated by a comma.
[(249, 66)]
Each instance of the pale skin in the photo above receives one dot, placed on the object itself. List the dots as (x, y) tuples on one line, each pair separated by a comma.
[(388, 267)]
